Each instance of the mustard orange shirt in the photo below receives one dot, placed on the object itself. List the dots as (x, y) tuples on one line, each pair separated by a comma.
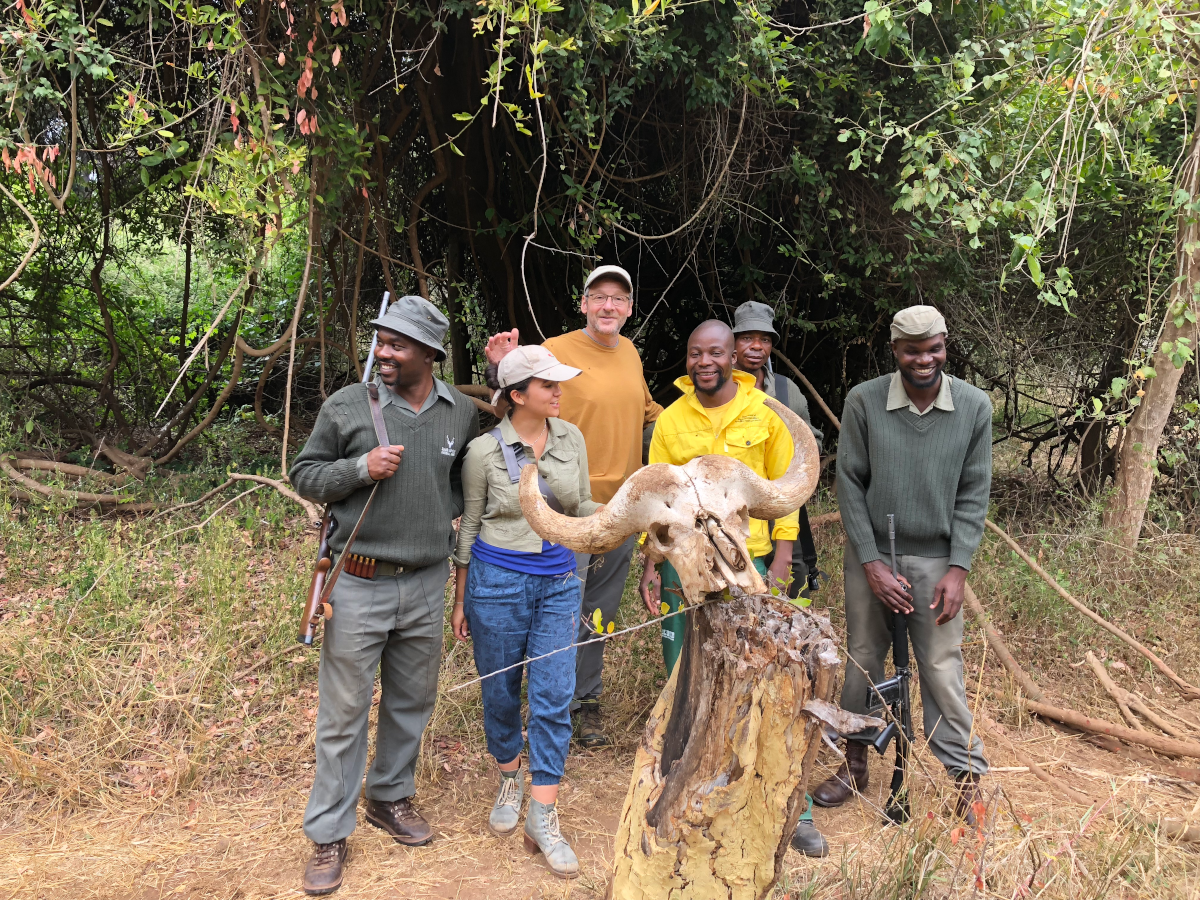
[(609, 402)]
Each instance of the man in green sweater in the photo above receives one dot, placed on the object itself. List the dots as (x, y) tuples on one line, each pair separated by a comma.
[(389, 603), (918, 444)]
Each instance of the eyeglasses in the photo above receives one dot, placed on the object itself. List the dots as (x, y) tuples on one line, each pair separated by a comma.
[(615, 299)]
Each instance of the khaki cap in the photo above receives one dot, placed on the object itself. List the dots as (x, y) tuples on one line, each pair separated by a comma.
[(532, 361), (754, 316), (917, 323), (609, 272), (416, 318)]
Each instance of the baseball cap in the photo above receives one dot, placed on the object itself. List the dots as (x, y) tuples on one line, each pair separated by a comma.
[(416, 318), (532, 361), (917, 323), (609, 272)]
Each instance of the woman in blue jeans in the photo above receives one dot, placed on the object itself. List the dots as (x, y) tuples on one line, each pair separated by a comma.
[(517, 596)]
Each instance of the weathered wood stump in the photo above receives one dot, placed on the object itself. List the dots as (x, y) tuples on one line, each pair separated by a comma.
[(720, 775)]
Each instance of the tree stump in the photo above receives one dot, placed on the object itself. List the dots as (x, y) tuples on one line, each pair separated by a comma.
[(720, 775)]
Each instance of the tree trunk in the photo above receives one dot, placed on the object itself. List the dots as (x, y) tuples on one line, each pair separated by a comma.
[(720, 774), (1177, 342)]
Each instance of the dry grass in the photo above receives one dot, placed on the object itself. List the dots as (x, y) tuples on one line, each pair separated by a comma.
[(156, 737)]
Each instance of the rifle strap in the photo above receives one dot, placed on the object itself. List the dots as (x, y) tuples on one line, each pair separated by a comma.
[(382, 435), (808, 547)]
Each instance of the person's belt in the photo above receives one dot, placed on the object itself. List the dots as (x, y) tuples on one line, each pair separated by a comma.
[(368, 567)]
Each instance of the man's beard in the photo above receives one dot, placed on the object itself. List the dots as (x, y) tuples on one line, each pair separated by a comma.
[(722, 380), (928, 383)]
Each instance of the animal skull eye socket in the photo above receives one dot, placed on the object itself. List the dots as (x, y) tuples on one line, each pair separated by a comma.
[(662, 533)]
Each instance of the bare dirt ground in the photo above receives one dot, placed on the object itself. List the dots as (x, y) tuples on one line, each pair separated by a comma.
[(247, 842), (157, 740)]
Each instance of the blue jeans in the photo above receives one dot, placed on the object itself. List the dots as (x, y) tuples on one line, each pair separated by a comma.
[(513, 616)]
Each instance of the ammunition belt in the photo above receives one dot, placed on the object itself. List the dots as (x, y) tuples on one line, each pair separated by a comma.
[(370, 568)]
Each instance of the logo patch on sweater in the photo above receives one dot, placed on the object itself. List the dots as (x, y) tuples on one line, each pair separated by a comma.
[(448, 450)]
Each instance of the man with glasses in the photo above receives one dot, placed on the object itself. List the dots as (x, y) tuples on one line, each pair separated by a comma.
[(611, 404)]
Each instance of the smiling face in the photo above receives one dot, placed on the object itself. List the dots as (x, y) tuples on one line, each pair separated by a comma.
[(921, 361), (753, 349), (710, 357), (540, 399), (401, 360), (607, 305)]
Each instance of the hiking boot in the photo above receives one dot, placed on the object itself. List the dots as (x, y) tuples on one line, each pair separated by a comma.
[(968, 796), (589, 726), (542, 835), (400, 820), (506, 811), (851, 777), (323, 874), (808, 841)]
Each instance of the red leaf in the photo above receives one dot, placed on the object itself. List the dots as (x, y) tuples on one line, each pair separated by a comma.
[(233, 120), (282, 58), (956, 835), (301, 116), (337, 56)]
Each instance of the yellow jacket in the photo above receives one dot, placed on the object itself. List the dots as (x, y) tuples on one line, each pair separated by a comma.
[(743, 429)]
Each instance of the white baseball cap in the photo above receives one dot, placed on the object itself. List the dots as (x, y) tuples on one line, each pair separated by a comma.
[(609, 272), (532, 361)]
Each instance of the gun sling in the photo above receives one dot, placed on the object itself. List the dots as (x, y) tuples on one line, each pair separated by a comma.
[(361, 566)]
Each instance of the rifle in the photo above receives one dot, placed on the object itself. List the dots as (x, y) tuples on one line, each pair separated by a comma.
[(319, 589), (893, 694), (314, 608)]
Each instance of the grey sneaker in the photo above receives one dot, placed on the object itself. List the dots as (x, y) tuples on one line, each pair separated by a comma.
[(542, 835), (506, 811)]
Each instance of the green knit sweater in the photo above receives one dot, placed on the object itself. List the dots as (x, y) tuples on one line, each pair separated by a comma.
[(933, 471), (411, 518)]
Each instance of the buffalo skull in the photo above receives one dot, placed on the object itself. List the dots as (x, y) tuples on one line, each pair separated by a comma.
[(697, 515)]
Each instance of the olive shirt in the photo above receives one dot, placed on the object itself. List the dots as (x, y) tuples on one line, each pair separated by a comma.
[(932, 469), (491, 501), (796, 401)]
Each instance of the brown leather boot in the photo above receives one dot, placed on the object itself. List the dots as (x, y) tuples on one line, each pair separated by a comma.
[(400, 820), (968, 796), (323, 874), (851, 776)]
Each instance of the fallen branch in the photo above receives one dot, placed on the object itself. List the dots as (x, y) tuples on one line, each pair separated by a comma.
[(78, 498), (1033, 767), (313, 513), (1188, 690), (1170, 746), (72, 471), (1138, 705), (1113, 691), (825, 519), (1000, 648), (1176, 831), (1112, 745)]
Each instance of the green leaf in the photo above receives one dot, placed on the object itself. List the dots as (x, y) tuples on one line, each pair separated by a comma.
[(925, 7)]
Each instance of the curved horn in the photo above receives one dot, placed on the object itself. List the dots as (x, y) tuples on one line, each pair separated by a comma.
[(775, 499), (630, 510)]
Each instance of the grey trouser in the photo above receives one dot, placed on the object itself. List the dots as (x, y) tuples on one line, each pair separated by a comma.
[(938, 649), (603, 577), (396, 620)]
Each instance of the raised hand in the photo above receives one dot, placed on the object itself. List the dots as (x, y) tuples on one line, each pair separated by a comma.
[(500, 345)]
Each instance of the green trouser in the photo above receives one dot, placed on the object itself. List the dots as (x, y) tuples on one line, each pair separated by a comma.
[(673, 626)]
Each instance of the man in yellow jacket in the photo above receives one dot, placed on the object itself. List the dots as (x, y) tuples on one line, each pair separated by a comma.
[(721, 412)]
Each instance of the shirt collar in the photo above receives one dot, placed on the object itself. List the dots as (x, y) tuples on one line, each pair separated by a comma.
[(898, 398), (557, 431), (440, 391), (732, 409)]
